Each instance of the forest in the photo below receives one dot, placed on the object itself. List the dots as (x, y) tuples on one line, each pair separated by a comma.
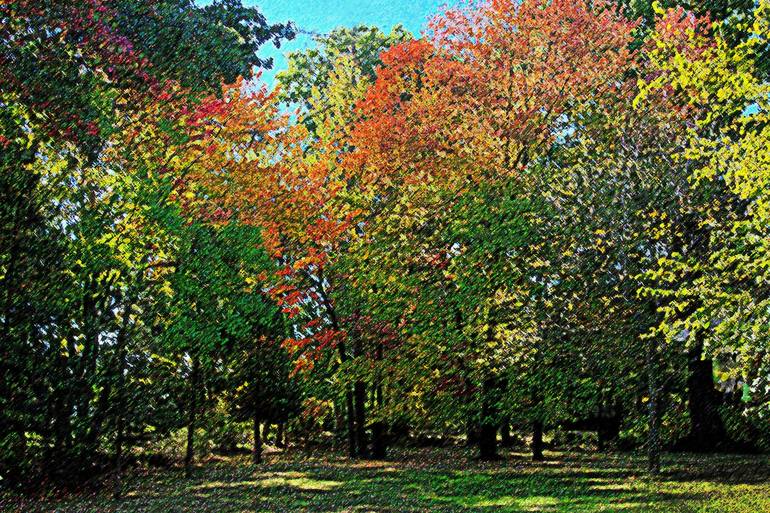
[(535, 233)]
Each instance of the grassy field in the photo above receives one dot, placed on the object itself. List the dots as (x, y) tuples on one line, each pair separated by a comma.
[(436, 480)]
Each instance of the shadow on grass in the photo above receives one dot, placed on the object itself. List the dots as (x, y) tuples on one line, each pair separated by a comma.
[(444, 480)]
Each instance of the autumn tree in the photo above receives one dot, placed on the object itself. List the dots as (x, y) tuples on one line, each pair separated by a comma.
[(78, 79), (452, 150)]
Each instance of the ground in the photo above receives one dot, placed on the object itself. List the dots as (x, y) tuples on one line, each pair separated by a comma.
[(436, 480)]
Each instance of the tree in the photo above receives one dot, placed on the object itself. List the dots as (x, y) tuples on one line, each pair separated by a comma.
[(95, 120), (453, 144), (713, 299), (264, 389)]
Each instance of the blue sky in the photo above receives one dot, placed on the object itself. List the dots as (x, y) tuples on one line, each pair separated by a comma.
[(321, 16)]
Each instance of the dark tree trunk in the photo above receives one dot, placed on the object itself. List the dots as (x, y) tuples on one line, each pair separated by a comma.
[(488, 424), (59, 428), (608, 432), (351, 422), (362, 444), (537, 441), (471, 425), (190, 453), (707, 431), (359, 396), (653, 409), (488, 442), (279, 436), (343, 358), (349, 410), (256, 453), (379, 446)]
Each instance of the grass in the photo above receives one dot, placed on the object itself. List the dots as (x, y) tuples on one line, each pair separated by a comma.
[(435, 480)]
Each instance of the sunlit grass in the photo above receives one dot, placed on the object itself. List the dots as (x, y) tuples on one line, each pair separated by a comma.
[(304, 484)]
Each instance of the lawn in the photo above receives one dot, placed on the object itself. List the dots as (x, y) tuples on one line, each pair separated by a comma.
[(436, 480)]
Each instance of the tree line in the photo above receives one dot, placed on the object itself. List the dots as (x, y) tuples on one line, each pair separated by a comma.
[(537, 216)]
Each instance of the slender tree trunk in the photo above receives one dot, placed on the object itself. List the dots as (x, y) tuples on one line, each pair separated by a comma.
[(359, 396), (379, 443), (537, 441), (653, 413), (256, 453), (279, 436), (343, 358), (120, 414), (118, 492), (188, 459), (349, 411), (362, 444), (339, 417), (86, 443), (351, 423), (379, 447), (57, 444), (471, 426)]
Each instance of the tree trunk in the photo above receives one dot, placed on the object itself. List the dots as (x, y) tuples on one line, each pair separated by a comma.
[(653, 413), (488, 424), (609, 420), (488, 442), (362, 444), (256, 452), (189, 454), (359, 396), (349, 412), (608, 432), (339, 417), (707, 431), (351, 423), (120, 399), (379, 447), (280, 442), (537, 441), (119, 413), (343, 358)]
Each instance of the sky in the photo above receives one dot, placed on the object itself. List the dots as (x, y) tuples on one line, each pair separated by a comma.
[(321, 16)]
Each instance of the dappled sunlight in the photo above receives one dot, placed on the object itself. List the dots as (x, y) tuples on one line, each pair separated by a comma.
[(291, 474), (454, 484), (305, 484), (527, 504), (220, 484), (612, 486)]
